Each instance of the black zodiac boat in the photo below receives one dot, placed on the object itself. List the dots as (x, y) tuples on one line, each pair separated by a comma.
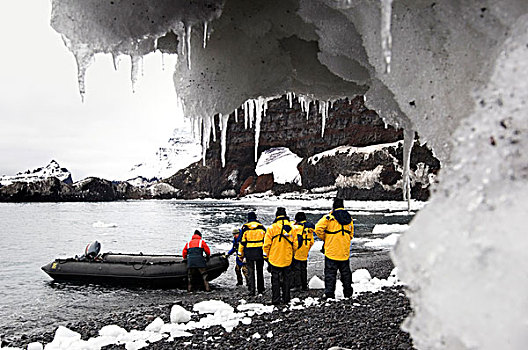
[(131, 269)]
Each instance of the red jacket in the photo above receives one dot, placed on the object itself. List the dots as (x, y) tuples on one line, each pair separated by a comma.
[(195, 249)]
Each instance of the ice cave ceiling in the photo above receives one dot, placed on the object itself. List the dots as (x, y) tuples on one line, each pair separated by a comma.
[(458, 75)]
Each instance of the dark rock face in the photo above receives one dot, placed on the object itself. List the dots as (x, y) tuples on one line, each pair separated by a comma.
[(95, 189), (374, 175), (348, 123), (48, 190)]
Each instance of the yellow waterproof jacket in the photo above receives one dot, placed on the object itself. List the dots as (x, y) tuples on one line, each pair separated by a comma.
[(252, 240), (305, 238), (280, 242), (336, 229)]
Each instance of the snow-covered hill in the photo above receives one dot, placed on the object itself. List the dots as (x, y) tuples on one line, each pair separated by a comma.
[(180, 151), (53, 169)]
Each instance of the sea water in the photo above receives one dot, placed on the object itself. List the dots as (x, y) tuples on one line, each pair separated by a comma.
[(34, 234)]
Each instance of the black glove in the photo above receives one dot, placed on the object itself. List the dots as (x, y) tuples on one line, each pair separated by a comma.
[(269, 267)]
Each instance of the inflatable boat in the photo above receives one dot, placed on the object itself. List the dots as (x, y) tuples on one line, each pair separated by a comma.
[(168, 271)]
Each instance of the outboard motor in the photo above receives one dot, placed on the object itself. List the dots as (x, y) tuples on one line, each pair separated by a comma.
[(92, 250)]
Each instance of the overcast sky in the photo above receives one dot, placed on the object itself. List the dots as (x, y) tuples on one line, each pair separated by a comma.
[(41, 113)]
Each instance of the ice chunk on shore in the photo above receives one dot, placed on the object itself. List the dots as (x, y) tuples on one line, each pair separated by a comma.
[(361, 275), (64, 338), (316, 283), (34, 346), (386, 228), (387, 242), (179, 314), (155, 326), (212, 306)]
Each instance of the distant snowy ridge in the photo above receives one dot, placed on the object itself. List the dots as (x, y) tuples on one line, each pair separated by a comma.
[(53, 169), (180, 151)]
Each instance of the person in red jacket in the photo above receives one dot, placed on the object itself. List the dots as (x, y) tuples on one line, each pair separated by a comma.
[(193, 252)]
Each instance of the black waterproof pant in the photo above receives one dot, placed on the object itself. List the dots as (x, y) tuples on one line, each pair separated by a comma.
[(280, 279), (258, 267), (300, 275), (330, 271)]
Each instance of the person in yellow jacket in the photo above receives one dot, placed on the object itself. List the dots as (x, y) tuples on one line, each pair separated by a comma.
[(304, 231), (336, 229), (280, 244), (250, 249)]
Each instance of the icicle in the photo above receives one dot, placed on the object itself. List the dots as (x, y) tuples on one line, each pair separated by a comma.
[(83, 59), (290, 96), (408, 140), (205, 34), (245, 108), (115, 59), (135, 70), (251, 108), (236, 115), (162, 61), (188, 30), (206, 136), (386, 36), (259, 110), (213, 127), (224, 119), (323, 110)]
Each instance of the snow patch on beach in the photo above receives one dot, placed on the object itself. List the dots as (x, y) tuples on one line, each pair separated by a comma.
[(387, 242)]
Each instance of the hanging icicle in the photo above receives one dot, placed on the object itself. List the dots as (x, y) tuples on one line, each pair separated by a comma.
[(135, 70), (213, 128), (236, 115), (245, 108), (223, 145), (324, 106), (386, 36), (408, 140), (206, 136), (205, 34), (188, 30), (115, 60), (290, 96), (251, 110)]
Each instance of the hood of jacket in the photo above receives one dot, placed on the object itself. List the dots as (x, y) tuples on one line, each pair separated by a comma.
[(342, 216)]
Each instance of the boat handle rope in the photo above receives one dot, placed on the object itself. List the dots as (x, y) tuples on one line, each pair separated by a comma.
[(143, 263)]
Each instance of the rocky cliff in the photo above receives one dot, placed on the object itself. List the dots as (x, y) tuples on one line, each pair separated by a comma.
[(348, 123)]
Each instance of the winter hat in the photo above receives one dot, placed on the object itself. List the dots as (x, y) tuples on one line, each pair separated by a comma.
[(198, 233), (280, 212), (236, 231), (252, 216), (338, 203), (300, 216)]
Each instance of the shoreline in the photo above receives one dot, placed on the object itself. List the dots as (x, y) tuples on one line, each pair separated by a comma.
[(366, 321)]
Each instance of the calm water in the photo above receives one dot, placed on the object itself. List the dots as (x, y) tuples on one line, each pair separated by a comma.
[(37, 233)]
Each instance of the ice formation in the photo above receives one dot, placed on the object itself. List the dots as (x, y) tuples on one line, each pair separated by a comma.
[(458, 76)]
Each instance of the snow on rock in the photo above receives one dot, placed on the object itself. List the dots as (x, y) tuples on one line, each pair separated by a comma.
[(387, 242), (282, 163), (179, 314), (392, 228), (163, 189), (315, 283), (53, 169)]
